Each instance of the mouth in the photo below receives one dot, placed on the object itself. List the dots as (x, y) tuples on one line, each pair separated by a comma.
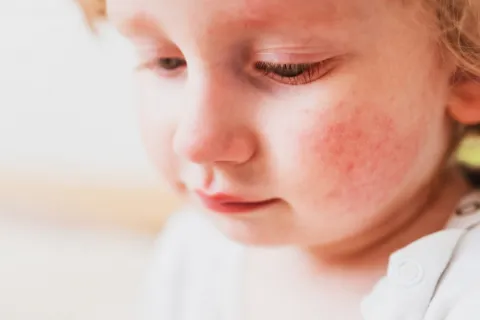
[(228, 204)]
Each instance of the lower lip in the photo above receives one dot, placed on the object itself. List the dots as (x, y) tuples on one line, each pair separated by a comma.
[(235, 207)]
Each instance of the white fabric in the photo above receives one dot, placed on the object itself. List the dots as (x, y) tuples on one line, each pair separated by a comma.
[(192, 274), (443, 269), (196, 274)]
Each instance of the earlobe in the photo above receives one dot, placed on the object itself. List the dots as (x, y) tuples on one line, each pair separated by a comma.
[(464, 102)]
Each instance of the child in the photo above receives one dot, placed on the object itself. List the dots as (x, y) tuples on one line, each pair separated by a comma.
[(316, 136)]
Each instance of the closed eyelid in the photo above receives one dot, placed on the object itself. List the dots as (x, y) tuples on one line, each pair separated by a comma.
[(300, 53), (290, 58)]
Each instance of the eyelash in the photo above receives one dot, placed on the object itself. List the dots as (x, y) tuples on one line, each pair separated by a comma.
[(156, 65), (290, 74)]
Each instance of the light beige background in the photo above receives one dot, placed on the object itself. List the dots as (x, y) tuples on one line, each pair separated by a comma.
[(80, 204)]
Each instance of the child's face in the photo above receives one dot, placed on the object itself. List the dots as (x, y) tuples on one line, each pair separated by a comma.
[(340, 142)]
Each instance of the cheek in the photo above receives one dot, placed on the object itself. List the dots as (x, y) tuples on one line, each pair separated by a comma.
[(366, 155), (157, 133)]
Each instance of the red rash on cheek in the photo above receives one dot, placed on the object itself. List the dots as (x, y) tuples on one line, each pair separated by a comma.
[(350, 146), (364, 155)]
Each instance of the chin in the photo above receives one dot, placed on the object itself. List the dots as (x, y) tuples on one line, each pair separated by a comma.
[(251, 232)]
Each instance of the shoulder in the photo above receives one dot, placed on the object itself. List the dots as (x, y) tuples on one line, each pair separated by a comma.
[(458, 290), (467, 307), (189, 260)]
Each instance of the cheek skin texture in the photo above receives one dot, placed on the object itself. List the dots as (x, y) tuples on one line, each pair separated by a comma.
[(157, 135), (363, 158)]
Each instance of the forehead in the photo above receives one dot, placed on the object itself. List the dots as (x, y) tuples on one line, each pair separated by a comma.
[(203, 15)]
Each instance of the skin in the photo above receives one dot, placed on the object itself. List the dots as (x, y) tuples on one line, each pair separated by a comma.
[(354, 157)]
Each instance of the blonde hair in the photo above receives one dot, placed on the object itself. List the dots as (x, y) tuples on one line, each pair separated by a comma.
[(459, 23)]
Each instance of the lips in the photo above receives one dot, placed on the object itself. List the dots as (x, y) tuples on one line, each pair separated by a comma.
[(227, 204)]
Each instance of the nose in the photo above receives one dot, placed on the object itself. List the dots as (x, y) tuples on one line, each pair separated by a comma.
[(213, 126)]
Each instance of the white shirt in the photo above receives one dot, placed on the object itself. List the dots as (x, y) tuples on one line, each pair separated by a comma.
[(196, 273)]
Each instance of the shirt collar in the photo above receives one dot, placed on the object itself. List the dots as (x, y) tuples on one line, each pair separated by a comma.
[(415, 270)]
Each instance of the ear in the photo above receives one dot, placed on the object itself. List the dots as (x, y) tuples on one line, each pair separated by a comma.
[(464, 102)]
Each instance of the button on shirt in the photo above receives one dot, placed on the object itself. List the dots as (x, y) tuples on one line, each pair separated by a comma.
[(197, 274), (436, 277)]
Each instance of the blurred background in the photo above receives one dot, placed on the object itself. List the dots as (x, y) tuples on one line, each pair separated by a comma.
[(79, 203)]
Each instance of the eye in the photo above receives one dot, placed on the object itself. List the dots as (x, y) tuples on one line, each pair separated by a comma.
[(170, 63), (293, 74), (165, 66)]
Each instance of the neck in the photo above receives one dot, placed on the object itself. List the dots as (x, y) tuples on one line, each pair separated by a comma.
[(425, 213)]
